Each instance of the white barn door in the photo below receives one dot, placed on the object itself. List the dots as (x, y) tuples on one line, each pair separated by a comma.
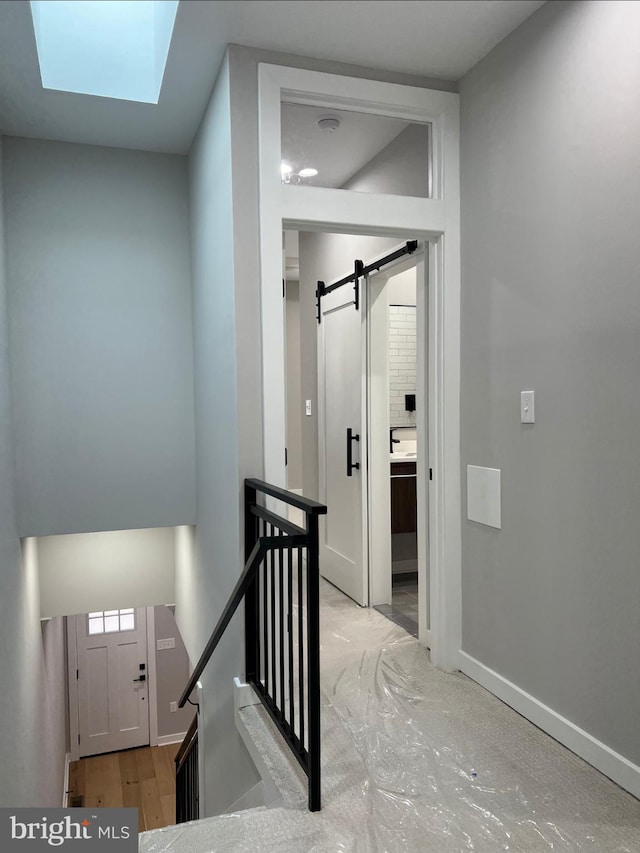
[(341, 391)]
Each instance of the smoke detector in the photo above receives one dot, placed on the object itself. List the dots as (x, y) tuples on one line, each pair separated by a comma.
[(329, 124)]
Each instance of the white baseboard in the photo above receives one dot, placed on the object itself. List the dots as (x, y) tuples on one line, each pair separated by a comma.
[(165, 740), (65, 795), (599, 755)]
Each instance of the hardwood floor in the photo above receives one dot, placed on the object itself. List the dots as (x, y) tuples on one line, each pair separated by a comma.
[(137, 778)]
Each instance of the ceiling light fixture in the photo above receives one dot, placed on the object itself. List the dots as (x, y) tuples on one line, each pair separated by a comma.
[(289, 176)]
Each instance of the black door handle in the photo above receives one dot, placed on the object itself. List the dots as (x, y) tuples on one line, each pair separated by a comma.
[(350, 464), (142, 678)]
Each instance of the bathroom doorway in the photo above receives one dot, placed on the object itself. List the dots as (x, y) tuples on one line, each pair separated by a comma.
[(360, 552), (403, 446)]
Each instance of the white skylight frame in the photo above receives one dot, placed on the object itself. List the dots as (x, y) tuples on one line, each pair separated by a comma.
[(107, 48)]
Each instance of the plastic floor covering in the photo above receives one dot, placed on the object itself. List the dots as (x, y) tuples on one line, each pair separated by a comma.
[(418, 760)]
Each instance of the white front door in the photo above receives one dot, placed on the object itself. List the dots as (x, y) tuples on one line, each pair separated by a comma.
[(341, 388), (113, 701)]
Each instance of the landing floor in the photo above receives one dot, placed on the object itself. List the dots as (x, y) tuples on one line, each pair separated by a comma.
[(417, 760)]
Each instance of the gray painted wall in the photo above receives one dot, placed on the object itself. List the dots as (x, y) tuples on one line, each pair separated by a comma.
[(401, 168), (32, 735), (204, 584), (172, 674), (550, 301), (83, 572), (101, 337)]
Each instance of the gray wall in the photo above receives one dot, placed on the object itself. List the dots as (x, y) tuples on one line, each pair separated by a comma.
[(550, 301), (172, 674), (83, 572), (295, 406), (32, 734), (204, 586), (401, 168), (101, 338)]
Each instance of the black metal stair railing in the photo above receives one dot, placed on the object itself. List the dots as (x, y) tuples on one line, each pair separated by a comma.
[(187, 781), (280, 584)]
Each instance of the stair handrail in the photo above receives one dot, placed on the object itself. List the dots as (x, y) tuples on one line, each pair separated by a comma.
[(262, 546), (185, 746)]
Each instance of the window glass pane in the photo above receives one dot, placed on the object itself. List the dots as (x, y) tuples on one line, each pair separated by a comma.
[(110, 612), (354, 151), (96, 614), (96, 626), (127, 610), (111, 623), (127, 622)]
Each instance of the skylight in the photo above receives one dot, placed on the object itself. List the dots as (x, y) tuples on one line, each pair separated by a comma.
[(110, 48)]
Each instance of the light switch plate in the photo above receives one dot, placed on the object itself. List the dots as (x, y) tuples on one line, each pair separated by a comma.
[(527, 407), (169, 643), (173, 707), (307, 407)]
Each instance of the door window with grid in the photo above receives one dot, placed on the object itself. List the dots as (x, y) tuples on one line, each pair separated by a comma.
[(112, 621)]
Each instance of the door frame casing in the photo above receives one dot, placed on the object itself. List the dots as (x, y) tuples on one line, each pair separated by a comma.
[(436, 220), (378, 409)]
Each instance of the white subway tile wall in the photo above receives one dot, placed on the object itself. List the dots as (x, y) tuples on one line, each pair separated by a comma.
[(402, 362)]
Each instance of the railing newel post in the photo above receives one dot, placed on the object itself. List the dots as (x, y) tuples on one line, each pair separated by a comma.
[(251, 617), (313, 652)]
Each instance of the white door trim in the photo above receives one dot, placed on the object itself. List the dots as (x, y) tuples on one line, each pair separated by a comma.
[(152, 677), (378, 404), (437, 220), (72, 659)]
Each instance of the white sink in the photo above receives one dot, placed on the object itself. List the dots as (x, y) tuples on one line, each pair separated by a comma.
[(402, 454)]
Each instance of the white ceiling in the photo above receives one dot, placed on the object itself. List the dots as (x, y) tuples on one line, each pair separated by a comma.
[(428, 38)]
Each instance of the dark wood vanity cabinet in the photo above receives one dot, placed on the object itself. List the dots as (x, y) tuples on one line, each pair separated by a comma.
[(403, 497)]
